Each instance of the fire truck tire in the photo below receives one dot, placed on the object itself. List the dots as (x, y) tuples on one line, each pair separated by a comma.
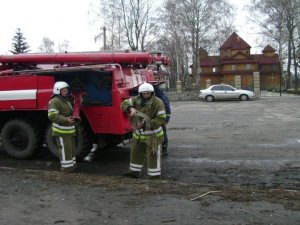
[(83, 142), (20, 139), (113, 141)]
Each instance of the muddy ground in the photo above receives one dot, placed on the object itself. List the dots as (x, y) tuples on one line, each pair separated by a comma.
[(245, 156)]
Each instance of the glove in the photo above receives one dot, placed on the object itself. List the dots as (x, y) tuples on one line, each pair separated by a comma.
[(140, 124), (132, 112)]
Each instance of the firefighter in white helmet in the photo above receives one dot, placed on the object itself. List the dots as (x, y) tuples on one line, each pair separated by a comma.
[(60, 113), (148, 115)]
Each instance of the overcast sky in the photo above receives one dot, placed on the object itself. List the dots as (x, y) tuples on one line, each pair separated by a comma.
[(58, 20), (62, 20)]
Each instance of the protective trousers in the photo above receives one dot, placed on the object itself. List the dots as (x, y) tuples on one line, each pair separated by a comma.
[(142, 149), (67, 152)]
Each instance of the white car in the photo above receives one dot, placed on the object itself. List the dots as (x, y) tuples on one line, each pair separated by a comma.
[(224, 91)]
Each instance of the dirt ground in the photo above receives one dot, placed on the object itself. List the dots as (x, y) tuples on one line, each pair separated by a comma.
[(229, 163)]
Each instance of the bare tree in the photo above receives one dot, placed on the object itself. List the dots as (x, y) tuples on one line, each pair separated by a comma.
[(109, 22), (292, 12), (63, 46), (222, 27), (198, 23), (47, 45), (180, 27), (127, 21), (272, 24), (277, 20)]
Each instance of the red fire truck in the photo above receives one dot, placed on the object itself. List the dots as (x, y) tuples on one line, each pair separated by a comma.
[(101, 79)]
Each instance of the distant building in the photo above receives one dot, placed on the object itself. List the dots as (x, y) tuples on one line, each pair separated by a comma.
[(237, 67)]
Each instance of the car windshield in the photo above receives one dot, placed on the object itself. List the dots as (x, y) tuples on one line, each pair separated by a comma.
[(228, 88)]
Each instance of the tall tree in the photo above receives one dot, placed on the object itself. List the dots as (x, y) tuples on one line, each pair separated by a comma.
[(47, 45), (63, 46), (178, 27), (292, 11), (111, 31), (198, 23), (19, 44), (277, 20), (128, 21)]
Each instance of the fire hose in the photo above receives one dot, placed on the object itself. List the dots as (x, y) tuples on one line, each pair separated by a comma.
[(153, 140)]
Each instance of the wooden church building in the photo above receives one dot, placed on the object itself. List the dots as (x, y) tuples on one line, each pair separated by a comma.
[(238, 67)]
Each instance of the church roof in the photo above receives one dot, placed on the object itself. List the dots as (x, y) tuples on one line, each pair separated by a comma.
[(268, 48), (240, 57), (235, 42)]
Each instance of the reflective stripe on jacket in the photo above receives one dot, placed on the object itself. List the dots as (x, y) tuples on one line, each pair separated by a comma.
[(59, 109), (144, 135), (153, 108)]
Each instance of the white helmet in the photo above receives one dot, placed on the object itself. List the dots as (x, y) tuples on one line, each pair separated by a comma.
[(146, 87), (58, 86)]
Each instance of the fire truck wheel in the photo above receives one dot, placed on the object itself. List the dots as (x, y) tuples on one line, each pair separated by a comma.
[(83, 142), (113, 140), (19, 139)]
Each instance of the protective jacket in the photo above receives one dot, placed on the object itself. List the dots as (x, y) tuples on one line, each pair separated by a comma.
[(154, 109), (59, 109)]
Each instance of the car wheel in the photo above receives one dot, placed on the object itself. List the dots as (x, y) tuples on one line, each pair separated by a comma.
[(210, 98), (244, 97)]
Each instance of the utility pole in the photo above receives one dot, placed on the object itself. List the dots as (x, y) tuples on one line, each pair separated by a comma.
[(178, 81), (104, 38)]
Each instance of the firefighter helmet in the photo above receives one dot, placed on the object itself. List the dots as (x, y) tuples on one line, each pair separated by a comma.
[(146, 87), (58, 86)]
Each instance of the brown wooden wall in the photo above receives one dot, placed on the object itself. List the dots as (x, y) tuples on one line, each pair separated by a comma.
[(229, 79), (247, 82), (269, 82), (214, 79)]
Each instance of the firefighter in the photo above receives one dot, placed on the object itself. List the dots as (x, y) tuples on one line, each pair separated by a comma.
[(147, 113), (60, 113)]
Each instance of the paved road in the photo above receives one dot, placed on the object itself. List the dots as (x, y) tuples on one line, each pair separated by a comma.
[(253, 143), (238, 149), (236, 143)]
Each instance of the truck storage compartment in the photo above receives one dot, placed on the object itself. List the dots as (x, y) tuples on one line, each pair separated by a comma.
[(98, 90), (96, 84)]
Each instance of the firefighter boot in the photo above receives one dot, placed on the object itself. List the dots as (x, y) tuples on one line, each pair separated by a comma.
[(154, 177), (131, 174), (69, 169)]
